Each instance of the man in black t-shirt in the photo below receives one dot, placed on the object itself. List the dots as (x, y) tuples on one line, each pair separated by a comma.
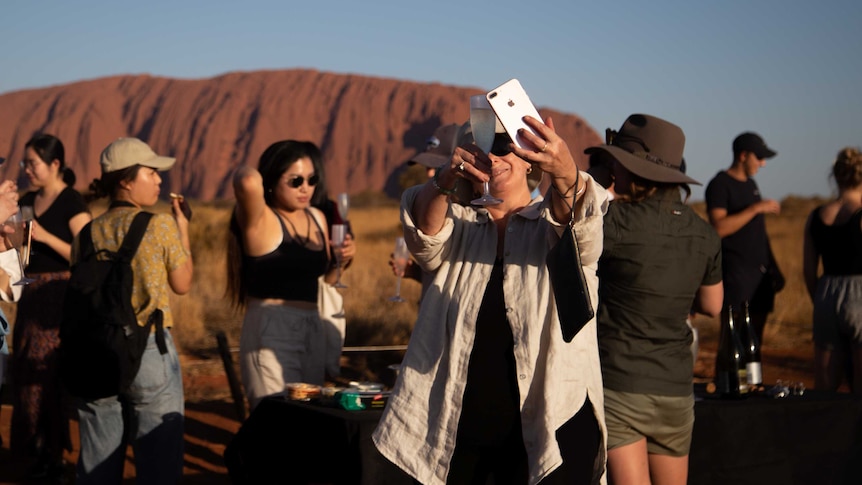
[(736, 211)]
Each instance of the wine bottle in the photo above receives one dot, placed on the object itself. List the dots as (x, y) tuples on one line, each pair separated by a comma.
[(730, 374), (753, 368)]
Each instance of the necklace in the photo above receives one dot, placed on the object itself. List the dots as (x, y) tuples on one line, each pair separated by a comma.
[(295, 234)]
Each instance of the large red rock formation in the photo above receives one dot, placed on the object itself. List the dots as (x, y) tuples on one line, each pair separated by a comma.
[(366, 127)]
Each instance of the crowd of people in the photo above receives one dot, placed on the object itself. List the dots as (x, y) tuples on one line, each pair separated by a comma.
[(489, 387)]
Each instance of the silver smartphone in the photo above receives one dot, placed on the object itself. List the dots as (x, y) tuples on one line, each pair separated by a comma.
[(511, 103)]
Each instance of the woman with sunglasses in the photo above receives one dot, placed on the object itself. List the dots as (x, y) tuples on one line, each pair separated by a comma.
[(278, 248), (488, 386)]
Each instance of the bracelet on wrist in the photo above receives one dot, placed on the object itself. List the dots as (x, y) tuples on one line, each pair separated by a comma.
[(435, 182), (581, 191), (568, 192)]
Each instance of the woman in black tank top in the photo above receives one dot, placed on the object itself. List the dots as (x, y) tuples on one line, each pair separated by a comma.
[(833, 236), (278, 248)]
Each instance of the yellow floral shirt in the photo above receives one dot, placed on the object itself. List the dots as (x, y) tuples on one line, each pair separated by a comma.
[(161, 251)]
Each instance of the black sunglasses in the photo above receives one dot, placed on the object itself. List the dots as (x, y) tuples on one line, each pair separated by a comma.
[(297, 181), (500, 147)]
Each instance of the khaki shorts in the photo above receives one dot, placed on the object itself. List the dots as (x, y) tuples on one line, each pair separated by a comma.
[(665, 421)]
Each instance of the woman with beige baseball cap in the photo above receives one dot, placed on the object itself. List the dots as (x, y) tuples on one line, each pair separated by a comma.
[(163, 263)]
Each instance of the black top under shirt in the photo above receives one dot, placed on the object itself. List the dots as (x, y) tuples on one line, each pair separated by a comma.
[(55, 220), (290, 272), (491, 401), (839, 245), (745, 253)]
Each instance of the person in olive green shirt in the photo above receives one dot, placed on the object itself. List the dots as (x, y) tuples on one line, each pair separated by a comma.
[(660, 260)]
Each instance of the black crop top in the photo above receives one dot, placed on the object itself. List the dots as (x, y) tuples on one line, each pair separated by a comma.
[(840, 245), (290, 272)]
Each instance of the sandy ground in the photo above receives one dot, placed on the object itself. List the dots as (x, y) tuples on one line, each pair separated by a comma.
[(211, 419)]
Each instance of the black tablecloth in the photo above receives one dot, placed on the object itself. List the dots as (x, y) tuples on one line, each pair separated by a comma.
[(295, 442), (809, 440), (812, 439)]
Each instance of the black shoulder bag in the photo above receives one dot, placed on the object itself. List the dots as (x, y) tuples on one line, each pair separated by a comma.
[(569, 282)]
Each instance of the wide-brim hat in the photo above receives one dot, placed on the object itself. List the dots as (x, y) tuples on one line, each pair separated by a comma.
[(128, 152), (648, 147), (438, 148)]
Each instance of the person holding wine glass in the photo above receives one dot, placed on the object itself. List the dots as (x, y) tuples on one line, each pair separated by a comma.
[(40, 428), (278, 248), (488, 386)]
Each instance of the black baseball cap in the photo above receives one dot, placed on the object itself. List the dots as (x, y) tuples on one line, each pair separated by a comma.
[(752, 142)]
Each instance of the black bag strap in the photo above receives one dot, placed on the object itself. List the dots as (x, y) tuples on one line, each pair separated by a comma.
[(134, 236), (130, 243), (126, 253), (157, 318), (85, 242)]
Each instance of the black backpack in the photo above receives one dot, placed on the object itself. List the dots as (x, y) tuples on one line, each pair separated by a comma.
[(101, 343)]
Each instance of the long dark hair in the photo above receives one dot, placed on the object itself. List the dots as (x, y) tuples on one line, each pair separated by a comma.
[(274, 161), (50, 148)]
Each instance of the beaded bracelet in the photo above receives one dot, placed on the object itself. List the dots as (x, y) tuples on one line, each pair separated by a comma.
[(437, 185)]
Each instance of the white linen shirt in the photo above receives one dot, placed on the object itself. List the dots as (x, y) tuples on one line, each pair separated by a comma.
[(418, 428)]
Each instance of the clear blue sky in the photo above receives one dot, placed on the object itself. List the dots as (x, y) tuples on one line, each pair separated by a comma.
[(790, 70)]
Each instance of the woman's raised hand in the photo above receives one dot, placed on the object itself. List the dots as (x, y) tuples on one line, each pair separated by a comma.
[(550, 152)]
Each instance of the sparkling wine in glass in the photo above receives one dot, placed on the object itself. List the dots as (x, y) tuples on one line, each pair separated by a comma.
[(483, 123), (17, 239), (399, 260), (338, 233), (28, 214), (342, 201)]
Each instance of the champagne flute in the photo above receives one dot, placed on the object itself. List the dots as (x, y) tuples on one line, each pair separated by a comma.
[(342, 201), (338, 233), (399, 260), (28, 214), (483, 123), (22, 230)]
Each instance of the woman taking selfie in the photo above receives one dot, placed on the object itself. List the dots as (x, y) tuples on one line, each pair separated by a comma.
[(488, 387)]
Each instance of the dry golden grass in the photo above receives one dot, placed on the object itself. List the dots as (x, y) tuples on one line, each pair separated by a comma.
[(787, 347), (372, 320)]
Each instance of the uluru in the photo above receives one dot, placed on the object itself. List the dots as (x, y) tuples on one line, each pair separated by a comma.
[(366, 127)]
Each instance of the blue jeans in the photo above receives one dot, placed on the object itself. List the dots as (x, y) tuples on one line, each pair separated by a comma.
[(151, 413)]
